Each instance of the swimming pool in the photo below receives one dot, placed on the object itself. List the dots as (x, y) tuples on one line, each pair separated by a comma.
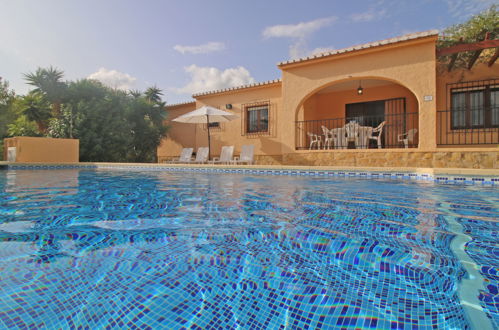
[(111, 248)]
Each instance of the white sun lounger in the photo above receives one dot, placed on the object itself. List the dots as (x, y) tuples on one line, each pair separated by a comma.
[(246, 156), (201, 155), (185, 156), (225, 156)]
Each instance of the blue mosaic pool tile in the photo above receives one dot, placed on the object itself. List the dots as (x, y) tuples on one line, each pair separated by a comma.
[(404, 176)]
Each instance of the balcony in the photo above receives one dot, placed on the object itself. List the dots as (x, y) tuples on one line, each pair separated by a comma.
[(362, 132)]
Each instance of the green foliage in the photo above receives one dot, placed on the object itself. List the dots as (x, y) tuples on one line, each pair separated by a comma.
[(471, 31), (7, 113), (112, 125), (7, 99), (153, 94), (36, 108), (48, 83), (22, 126)]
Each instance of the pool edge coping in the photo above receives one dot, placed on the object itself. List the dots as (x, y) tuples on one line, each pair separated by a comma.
[(440, 175)]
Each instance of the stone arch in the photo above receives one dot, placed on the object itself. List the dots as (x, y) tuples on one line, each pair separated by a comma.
[(383, 100), (348, 79)]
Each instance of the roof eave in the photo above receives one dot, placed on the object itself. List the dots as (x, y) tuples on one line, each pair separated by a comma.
[(364, 48)]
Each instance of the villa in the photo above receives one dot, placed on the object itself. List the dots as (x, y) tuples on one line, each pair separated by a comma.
[(409, 105)]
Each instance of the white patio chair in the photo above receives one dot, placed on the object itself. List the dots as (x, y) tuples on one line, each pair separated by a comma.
[(378, 130), (225, 156), (339, 137), (352, 130), (328, 137), (185, 156), (202, 155), (407, 137), (314, 140), (246, 156)]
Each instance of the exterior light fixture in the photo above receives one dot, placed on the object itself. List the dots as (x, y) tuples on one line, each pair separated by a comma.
[(228, 106), (360, 90)]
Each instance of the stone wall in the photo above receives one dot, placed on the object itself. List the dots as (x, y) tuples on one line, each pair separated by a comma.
[(436, 159)]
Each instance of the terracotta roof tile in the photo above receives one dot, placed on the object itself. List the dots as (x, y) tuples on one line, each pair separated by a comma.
[(405, 37), (268, 82), (178, 104)]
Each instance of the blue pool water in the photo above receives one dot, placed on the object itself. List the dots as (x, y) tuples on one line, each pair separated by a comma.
[(135, 249)]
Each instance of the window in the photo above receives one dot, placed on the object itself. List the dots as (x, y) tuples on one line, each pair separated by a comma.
[(476, 107), (214, 125), (257, 118), (366, 113)]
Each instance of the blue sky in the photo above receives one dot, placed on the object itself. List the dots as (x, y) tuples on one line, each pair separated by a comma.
[(191, 46)]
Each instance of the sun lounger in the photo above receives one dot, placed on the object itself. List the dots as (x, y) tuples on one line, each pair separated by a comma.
[(201, 155), (225, 156), (246, 155), (185, 157)]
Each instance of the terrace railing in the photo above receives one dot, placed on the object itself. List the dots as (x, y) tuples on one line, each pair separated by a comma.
[(392, 136), (478, 126)]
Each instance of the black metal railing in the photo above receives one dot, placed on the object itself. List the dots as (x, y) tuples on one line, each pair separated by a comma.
[(397, 131), (474, 126)]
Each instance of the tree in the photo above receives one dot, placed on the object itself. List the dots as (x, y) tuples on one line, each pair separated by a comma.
[(153, 94), (7, 113), (49, 84), (471, 31), (22, 126), (146, 122), (112, 125), (36, 109), (7, 99)]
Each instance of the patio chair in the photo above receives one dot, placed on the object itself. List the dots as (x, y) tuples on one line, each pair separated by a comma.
[(202, 155), (314, 140), (225, 156), (246, 156), (352, 130), (328, 137), (339, 137), (378, 131), (407, 137), (185, 156)]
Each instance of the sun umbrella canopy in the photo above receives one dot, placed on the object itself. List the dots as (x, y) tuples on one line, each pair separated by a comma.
[(205, 114)]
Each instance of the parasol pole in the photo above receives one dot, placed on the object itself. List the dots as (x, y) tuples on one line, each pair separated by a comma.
[(209, 146)]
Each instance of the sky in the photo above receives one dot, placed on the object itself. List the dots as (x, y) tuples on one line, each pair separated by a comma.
[(191, 46)]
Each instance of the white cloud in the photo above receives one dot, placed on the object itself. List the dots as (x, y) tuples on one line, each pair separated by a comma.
[(320, 50), (368, 16), (113, 78), (300, 30), (209, 78), (209, 47), (465, 8)]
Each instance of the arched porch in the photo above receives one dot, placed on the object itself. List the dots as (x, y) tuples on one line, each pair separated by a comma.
[(358, 113)]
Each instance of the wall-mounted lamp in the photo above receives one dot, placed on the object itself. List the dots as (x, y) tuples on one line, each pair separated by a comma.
[(360, 90), (228, 106)]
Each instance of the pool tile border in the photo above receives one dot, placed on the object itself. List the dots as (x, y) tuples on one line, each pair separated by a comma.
[(438, 178)]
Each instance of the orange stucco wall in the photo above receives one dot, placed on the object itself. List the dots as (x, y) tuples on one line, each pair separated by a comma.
[(43, 150), (232, 133), (410, 64), (179, 135), (480, 71), (333, 104), (407, 69)]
